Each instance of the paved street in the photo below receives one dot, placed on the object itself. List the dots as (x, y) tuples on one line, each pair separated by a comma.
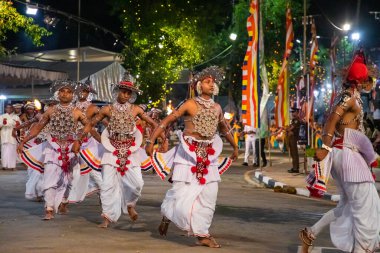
[(247, 219)]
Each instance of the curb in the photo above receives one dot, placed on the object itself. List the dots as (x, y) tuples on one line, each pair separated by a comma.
[(271, 183)]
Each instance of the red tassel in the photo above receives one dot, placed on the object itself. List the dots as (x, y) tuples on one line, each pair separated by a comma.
[(54, 139), (211, 151), (67, 149), (202, 180), (4, 121), (128, 162), (118, 162), (205, 171), (85, 139), (60, 158), (192, 148), (133, 144), (129, 152), (59, 150), (207, 162), (126, 169), (374, 164), (116, 152), (199, 159), (193, 169)]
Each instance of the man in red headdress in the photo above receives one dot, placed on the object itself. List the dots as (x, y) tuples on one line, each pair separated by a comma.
[(122, 179), (348, 154)]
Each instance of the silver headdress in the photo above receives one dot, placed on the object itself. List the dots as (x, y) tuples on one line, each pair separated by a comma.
[(215, 72), (87, 85), (128, 82), (60, 84)]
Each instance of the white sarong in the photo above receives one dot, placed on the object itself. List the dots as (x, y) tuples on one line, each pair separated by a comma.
[(191, 206), (8, 155)]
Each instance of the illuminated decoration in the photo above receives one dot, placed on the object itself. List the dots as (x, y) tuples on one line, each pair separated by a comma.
[(37, 104), (282, 99), (169, 108), (251, 87), (228, 115)]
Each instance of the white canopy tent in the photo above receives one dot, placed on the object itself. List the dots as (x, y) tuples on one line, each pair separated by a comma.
[(29, 75)]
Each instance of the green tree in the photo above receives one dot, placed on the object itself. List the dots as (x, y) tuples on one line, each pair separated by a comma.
[(165, 37), (13, 21)]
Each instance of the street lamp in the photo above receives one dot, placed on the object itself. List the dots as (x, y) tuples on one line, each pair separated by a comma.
[(346, 27), (233, 36), (355, 36), (31, 9)]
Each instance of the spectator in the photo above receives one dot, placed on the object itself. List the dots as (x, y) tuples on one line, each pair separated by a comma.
[(293, 133), (250, 137)]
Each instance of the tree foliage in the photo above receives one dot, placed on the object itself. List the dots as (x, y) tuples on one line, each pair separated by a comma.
[(12, 21), (165, 37)]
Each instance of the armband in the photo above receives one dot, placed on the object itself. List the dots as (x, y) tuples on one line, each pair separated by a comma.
[(327, 147), (327, 134), (337, 113)]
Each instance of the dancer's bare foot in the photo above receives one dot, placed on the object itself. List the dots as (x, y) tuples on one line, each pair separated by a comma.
[(48, 215), (132, 213), (164, 226), (105, 223), (208, 242), (307, 239), (62, 209)]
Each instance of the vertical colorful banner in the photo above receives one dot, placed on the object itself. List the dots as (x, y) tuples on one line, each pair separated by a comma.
[(313, 64), (282, 99), (335, 40), (251, 86)]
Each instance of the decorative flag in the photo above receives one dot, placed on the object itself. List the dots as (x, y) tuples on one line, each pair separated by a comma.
[(251, 87), (282, 98), (332, 53), (313, 64)]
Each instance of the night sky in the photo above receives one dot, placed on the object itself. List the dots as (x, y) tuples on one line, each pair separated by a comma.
[(99, 11)]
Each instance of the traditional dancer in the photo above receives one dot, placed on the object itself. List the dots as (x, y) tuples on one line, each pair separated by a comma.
[(88, 179), (55, 154), (122, 179), (33, 189), (348, 153), (8, 121), (190, 203)]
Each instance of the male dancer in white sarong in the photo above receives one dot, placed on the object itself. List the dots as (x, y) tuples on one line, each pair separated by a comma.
[(55, 154), (88, 179), (190, 203), (33, 187), (355, 222), (122, 178)]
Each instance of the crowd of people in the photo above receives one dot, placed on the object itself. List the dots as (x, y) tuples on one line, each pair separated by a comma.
[(68, 158)]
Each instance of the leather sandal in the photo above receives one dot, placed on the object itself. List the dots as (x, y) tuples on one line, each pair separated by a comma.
[(307, 239), (164, 226)]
